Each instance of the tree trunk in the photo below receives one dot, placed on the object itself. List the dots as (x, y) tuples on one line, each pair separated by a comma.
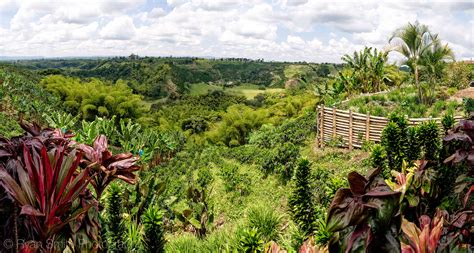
[(417, 84), (15, 227)]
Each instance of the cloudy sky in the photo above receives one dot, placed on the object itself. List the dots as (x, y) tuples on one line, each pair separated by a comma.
[(294, 30)]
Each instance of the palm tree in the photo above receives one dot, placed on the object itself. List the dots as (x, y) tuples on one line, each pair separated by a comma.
[(433, 60), (412, 40)]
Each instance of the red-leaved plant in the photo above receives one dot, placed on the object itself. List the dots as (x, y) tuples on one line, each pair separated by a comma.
[(424, 239), (107, 167), (365, 216), (43, 187)]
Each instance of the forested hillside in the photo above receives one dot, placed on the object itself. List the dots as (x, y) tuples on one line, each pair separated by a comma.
[(160, 77)]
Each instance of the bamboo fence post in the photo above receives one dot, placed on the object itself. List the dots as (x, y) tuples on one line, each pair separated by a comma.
[(350, 130), (322, 126), (334, 122), (318, 125), (367, 127)]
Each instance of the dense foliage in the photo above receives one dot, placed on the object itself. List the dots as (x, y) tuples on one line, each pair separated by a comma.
[(45, 179), (94, 98)]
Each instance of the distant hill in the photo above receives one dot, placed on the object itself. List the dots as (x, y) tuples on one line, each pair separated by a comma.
[(153, 76)]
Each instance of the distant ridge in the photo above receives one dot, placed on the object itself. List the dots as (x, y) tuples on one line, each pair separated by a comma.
[(23, 58)]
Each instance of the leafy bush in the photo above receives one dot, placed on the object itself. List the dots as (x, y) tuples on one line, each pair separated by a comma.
[(296, 131), (281, 160), (414, 145), (195, 125), (394, 144), (234, 181), (429, 140), (457, 74), (448, 122), (468, 105), (237, 123), (8, 126), (378, 156)]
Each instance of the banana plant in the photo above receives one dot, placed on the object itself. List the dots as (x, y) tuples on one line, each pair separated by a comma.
[(145, 191), (128, 131), (88, 132), (198, 214), (63, 121)]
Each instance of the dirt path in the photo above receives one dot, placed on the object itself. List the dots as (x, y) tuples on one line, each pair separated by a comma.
[(469, 93)]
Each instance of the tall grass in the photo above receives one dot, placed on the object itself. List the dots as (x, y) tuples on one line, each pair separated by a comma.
[(266, 221)]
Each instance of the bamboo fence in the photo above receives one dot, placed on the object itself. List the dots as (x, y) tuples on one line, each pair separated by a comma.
[(355, 128)]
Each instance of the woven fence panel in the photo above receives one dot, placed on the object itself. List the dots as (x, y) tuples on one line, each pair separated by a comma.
[(352, 129)]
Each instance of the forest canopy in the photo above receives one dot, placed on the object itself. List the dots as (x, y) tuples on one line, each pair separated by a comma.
[(94, 97)]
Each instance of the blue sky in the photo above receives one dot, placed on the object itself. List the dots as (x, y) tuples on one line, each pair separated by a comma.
[(291, 30)]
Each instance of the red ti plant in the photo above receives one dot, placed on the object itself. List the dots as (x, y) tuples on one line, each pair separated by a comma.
[(48, 185), (365, 216), (425, 239), (106, 167), (463, 134), (45, 176)]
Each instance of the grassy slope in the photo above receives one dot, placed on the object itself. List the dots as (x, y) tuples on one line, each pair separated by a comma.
[(247, 90), (404, 101), (231, 210)]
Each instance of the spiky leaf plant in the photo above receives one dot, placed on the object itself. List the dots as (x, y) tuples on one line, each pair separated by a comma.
[(300, 201), (152, 221)]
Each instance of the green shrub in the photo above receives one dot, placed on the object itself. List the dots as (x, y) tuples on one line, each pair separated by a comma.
[(9, 127), (448, 122), (195, 125), (266, 222), (115, 228), (378, 156), (281, 160), (429, 140), (204, 177), (234, 181), (413, 144), (457, 74), (392, 145), (300, 201), (468, 105), (250, 241), (152, 221)]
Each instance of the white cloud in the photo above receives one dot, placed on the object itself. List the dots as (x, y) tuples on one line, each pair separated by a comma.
[(120, 28), (310, 30)]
